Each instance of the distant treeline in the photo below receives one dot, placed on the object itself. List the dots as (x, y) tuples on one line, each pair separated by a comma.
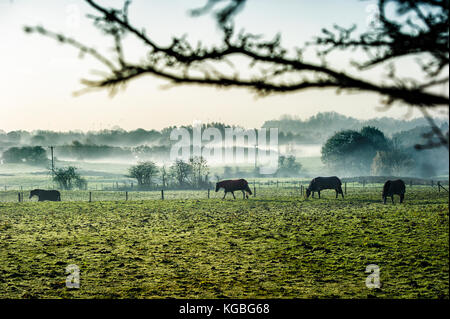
[(370, 152), (110, 137), (318, 128), (140, 144), (315, 130)]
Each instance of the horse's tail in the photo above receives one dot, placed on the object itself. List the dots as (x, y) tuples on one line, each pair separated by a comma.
[(386, 188)]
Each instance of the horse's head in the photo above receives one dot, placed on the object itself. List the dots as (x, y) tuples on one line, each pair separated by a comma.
[(217, 186), (33, 192), (308, 192)]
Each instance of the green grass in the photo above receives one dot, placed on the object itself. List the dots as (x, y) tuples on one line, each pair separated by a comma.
[(273, 246)]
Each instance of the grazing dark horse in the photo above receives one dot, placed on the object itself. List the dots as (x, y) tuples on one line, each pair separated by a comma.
[(43, 194), (234, 185), (392, 188), (320, 183)]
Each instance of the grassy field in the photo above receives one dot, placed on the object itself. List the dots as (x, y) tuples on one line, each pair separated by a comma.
[(273, 246)]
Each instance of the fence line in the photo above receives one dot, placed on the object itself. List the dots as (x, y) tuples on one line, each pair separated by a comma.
[(260, 189)]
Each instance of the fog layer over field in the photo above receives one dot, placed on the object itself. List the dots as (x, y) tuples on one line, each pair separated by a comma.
[(338, 144)]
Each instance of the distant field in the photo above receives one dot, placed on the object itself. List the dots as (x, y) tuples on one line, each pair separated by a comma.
[(104, 175), (276, 245)]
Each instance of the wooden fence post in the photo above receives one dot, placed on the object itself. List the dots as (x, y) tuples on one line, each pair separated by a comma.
[(90, 197), (208, 193), (440, 186), (126, 195), (345, 188), (19, 197), (254, 189), (162, 194)]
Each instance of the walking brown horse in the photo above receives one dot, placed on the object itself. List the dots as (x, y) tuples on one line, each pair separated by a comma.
[(234, 185), (391, 188)]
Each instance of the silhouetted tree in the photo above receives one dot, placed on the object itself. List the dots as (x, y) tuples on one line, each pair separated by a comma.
[(180, 171), (199, 171), (348, 152), (144, 173), (394, 162), (164, 176), (287, 166), (376, 137), (68, 178), (34, 155)]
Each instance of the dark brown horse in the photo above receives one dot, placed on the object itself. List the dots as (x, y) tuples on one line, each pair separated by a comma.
[(392, 188), (320, 183), (43, 194), (234, 185)]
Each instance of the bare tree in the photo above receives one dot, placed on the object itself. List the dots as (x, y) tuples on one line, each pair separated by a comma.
[(418, 29), (180, 171), (144, 172)]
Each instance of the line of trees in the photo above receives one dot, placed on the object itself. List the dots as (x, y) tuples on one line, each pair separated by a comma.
[(140, 142), (369, 151), (33, 155), (193, 173)]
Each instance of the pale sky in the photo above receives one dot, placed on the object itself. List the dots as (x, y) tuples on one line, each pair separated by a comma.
[(40, 75)]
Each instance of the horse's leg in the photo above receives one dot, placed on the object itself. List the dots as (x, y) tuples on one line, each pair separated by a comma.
[(340, 191), (243, 195), (312, 194), (224, 195), (384, 200), (336, 193), (402, 197), (392, 197), (233, 194), (319, 193)]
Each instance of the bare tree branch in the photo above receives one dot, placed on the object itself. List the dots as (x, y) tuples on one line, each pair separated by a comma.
[(271, 68)]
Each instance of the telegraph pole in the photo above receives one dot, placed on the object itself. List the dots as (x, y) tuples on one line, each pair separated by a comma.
[(53, 162), (256, 153)]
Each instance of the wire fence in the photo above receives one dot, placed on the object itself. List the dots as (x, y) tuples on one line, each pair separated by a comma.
[(267, 188)]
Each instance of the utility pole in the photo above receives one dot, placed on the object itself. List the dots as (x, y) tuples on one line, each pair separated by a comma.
[(53, 162), (256, 153)]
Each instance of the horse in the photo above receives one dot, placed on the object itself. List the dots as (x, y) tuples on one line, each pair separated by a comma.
[(392, 188), (319, 183), (43, 195), (234, 185)]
